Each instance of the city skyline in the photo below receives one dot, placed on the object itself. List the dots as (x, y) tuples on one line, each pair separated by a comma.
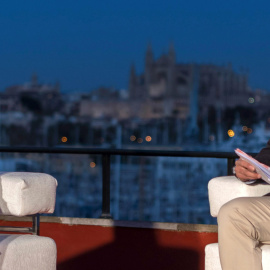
[(88, 45)]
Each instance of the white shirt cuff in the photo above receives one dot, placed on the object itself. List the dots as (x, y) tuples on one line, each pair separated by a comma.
[(250, 182)]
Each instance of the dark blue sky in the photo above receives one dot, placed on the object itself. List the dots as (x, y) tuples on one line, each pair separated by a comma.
[(85, 44)]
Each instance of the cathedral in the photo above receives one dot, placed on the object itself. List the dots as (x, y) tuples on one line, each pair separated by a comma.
[(182, 91), (168, 88)]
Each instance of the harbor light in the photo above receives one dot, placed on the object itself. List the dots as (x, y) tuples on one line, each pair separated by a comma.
[(140, 140), (132, 138), (64, 139), (148, 138), (231, 133), (92, 164)]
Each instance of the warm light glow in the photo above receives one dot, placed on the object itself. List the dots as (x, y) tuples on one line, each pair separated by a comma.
[(148, 138), (212, 138), (140, 140), (64, 139), (251, 100), (132, 138), (92, 164), (231, 133), (249, 131), (244, 128)]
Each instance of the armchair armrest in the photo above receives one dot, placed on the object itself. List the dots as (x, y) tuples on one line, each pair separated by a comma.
[(225, 188), (26, 193)]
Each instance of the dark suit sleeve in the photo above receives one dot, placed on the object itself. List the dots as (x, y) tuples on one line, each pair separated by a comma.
[(264, 155)]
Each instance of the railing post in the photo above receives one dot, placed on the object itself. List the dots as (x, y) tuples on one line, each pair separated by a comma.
[(106, 188), (35, 220), (230, 164)]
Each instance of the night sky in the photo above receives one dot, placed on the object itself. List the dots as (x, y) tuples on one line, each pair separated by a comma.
[(87, 44)]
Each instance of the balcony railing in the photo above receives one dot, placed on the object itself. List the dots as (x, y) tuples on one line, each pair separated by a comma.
[(106, 161)]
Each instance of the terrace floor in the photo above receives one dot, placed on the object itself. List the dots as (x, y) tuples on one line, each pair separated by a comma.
[(124, 245)]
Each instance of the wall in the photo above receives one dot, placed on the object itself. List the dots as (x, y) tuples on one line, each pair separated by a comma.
[(158, 246)]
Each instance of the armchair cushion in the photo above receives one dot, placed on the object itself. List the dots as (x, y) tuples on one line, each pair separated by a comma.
[(225, 188), (27, 252), (27, 193), (212, 261)]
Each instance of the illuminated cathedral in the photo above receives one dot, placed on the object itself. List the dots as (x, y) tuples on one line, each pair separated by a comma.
[(175, 89)]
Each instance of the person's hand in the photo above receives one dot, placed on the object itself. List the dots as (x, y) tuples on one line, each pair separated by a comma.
[(244, 171)]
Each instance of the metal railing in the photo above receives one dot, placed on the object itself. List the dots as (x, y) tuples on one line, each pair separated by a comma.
[(106, 161)]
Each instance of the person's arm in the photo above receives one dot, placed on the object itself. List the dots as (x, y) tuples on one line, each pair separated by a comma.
[(246, 172)]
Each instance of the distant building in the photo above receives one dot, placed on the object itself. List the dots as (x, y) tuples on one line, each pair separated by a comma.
[(167, 87), (31, 96), (170, 89)]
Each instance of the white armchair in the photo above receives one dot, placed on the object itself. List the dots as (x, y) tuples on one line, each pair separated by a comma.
[(221, 190), (23, 194)]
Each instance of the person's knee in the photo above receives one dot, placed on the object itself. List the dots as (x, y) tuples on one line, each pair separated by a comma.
[(232, 209), (234, 216)]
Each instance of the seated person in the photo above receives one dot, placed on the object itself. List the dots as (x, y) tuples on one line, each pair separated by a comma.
[(244, 223)]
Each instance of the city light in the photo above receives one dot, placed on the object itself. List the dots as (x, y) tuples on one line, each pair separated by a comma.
[(212, 138), (132, 138), (140, 140), (249, 131), (92, 164), (231, 133), (148, 138), (244, 128), (251, 100), (64, 139)]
